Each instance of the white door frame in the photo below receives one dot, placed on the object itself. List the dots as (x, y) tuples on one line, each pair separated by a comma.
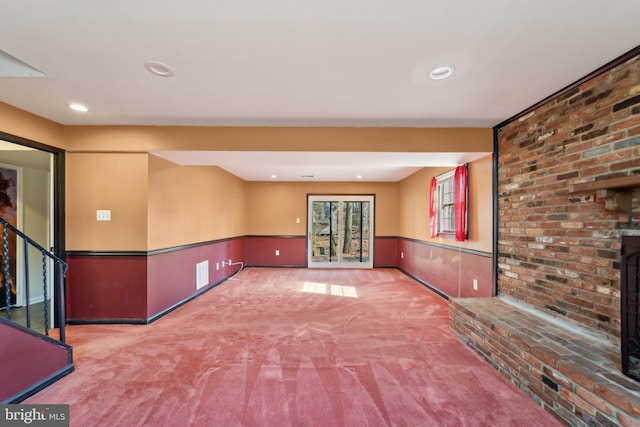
[(340, 263)]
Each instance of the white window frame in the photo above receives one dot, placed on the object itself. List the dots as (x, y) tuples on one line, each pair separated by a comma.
[(445, 196)]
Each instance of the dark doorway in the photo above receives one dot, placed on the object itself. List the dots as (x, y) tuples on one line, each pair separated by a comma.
[(39, 210), (629, 306)]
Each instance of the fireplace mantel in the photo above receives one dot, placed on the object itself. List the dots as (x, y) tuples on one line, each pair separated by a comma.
[(616, 193)]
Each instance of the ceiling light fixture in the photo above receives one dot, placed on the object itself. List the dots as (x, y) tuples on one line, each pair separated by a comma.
[(441, 72), (78, 107), (274, 176), (159, 69), (358, 176)]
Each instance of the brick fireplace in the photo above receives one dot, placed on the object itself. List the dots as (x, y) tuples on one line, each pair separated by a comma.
[(568, 175)]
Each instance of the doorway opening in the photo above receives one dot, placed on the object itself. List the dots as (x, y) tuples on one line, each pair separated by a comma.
[(340, 231), (34, 204)]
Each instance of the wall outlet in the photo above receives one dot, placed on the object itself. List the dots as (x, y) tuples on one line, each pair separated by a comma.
[(401, 254), (229, 263), (297, 220), (475, 284), (223, 263), (277, 252), (217, 266)]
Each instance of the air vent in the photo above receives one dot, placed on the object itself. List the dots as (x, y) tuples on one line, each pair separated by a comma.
[(13, 67), (202, 274)]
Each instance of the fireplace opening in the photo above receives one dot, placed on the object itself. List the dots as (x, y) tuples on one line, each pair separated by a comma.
[(629, 306)]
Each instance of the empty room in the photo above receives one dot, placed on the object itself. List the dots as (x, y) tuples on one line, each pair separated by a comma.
[(320, 213)]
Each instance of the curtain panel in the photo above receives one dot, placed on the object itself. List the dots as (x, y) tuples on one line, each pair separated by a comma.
[(461, 194), (433, 207)]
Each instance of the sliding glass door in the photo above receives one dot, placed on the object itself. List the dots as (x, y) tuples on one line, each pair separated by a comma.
[(340, 231)]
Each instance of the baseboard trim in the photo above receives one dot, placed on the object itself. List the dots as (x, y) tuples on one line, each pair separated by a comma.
[(202, 291), (275, 266), (149, 320), (114, 321), (427, 285), (37, 300), (25, 394)]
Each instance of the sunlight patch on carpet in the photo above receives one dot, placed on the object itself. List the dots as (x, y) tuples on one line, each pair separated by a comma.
[(324, 289)]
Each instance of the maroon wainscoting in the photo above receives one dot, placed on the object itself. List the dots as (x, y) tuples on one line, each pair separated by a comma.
[(479, 267), (137, 288), (27, 360), (172, 273), (134, 288), (386, 252), (261, 251), (106, 287), (448, 269)]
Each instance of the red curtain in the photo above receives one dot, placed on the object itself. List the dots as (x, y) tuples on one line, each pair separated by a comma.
[(433, 207), (461, 185)]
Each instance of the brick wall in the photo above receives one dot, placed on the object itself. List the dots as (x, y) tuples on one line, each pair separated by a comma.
[(559, 251)]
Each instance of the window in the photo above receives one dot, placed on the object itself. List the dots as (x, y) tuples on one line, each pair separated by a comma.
[(448, 204), (446, 216)]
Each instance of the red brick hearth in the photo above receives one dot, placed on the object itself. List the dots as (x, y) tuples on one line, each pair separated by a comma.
[(575, 377)]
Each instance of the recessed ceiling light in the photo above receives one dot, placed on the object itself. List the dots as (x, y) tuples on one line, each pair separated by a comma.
[(358, 176), (159, 69), (441, 72), (274, 176), (78, 107)]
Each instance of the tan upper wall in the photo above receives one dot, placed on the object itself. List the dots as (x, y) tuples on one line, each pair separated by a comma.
[(156, 204), (109, 181), (272, 208), (29, 126), (108, 167), (414, 206), (148, 138), (190, 204)]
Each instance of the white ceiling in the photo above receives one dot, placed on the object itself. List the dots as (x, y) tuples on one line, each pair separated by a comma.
[(304, 63), (319, 166)]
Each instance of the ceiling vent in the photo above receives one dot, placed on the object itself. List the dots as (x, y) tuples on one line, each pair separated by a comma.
[(13, 67)]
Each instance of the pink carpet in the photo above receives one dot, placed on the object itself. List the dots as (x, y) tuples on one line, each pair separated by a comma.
[(291, 347)]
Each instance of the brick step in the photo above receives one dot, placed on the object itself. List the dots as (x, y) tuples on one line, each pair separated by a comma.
[(575, 377)]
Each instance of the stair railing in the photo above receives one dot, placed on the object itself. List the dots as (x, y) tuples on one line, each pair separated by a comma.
[(60, 270)]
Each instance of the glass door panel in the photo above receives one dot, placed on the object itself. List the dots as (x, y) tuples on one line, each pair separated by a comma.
[(340, 231), (321, 232)]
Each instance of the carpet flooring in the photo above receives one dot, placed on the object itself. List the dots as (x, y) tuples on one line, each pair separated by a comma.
[(291, 347)]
